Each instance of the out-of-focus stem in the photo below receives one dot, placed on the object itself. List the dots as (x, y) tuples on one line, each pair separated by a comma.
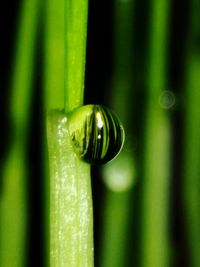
[(155, 195), (191, 141), (13, 198), (54, 54), (119, 175), (157, 146), (191, 169)]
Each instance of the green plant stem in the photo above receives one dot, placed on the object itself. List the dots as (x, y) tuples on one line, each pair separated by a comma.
[(119, 175), (54, 54), (65, 53), (122, 80), (191, 141), (115, 225), (13, 199), (70, 199), (191, 184), (71, 233), (53, 88), (157, 147), (155, 197), (75, 52)]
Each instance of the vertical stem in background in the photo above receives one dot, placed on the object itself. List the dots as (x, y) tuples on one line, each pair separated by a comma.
[(119, 174), (155, 197), (191, 168), (157, 146), (115, 220), (13, 198), (71, 218), (191, 160)]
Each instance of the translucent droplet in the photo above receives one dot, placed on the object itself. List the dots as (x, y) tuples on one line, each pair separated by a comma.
[(96, 133)]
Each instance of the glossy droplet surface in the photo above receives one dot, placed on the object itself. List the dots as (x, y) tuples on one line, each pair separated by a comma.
[(96, 133)]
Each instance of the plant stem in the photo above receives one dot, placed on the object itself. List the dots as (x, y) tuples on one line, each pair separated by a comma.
[(191, 145), (75, 52), (71, 220), (13, 202), (155, 197), (115, 216), (119, 175), (157, 147), (66, 34), (53, 88), (54, 54), (191, 160)]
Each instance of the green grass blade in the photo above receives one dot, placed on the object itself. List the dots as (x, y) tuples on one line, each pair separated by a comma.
[(158, 45), (65, 53), (119, 175), (157, 146), (191, 183), (54, 54), (191, 141), (75, 52), (71, 218), (70, 199), (155, 195), (13, 199), (13, 209), (116, 214)]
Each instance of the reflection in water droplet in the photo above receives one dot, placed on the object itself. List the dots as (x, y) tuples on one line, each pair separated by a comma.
[(167, 99), (97, 134)]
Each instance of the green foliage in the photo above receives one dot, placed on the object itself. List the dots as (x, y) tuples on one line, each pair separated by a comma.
[(147, 201), (71, 223), (75, 52), (13, 201)]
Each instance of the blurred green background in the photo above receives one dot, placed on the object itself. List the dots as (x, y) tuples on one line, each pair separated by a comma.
[(143, 61)]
